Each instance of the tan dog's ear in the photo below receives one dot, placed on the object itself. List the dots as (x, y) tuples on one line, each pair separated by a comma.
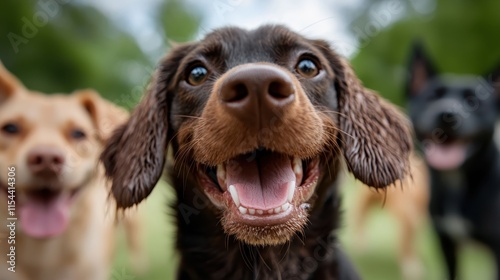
[(9, 85), (135, 154), (376, 137), (105, 115)]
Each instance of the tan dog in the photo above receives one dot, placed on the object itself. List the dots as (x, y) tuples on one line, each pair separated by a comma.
[(49, 147), (408, 204)]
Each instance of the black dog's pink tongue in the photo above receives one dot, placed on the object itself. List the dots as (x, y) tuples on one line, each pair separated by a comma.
[(262, 181), (445, 156)]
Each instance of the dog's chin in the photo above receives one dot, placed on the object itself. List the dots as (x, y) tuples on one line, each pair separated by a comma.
[(264, 196)]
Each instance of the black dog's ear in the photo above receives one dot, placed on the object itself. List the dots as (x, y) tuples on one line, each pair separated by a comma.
[(376, 137), (134, 156), (420, 70), (493, 78)]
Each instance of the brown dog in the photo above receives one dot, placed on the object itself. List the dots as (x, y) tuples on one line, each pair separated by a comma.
[(408, 203), (65, 221), (259, 122)]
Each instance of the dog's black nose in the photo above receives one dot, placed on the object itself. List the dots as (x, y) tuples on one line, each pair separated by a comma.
[(45, 161), (257, 93), (448, 118)]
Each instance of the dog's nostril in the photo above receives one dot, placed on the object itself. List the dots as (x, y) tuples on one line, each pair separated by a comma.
[(56, 160), (447, 116), (236, 93), (279, 90), (45, 161), (36, 160)]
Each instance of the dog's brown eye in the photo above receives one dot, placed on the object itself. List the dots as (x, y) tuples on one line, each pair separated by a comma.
[(11, 128), (197, 75), (307, 68), (77, 134)]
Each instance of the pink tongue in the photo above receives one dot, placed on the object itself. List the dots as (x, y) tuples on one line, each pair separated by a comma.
[(45, 218), (445, 157), (262, 181)]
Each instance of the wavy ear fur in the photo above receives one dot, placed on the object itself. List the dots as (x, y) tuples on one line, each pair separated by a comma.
[(134, 156), (376, 138)]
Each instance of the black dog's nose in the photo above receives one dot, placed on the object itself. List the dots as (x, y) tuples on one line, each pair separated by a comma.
[(257, 92), (448, 117)]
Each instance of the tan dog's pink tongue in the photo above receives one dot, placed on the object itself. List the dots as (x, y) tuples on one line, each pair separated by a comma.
[(44, 219), (261, 182)]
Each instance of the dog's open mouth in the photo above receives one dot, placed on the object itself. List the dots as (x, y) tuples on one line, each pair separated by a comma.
[(262, 189), (446, 156), (44, 212)]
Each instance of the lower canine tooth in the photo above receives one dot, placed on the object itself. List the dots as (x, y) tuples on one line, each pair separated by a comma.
[(242, 209), (234, 195), (251, 211), (270, 211), (277, 210), (285, 206), (291, 191)]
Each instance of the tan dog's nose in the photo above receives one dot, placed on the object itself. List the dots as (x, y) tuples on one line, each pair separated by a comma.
[(45, 161), (257, 93)]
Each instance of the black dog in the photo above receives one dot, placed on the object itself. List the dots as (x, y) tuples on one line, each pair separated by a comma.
[(259, 122), (454, 119)]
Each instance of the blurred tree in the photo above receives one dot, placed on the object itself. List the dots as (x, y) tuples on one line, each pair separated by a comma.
[(59, 47), (179, 22), (461, 36)]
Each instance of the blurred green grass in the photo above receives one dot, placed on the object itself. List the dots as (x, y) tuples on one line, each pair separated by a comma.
[(377, 261)]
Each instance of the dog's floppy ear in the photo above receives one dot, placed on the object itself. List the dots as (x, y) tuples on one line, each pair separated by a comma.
[(420, 70), (376, 137), (105, 115), (493, 78), (134, 156), (9, 85)]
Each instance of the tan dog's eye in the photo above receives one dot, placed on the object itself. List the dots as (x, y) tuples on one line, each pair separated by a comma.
[(11, 128), (77, 134), (307, 68), (197, 75)]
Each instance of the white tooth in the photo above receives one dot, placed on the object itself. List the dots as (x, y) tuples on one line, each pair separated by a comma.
[(242, 209), (277, 210), (251, 211), (221, 172), (270, 211), (291, 191), (234, 195), (285, 206), (297, 165), (260, 212)]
